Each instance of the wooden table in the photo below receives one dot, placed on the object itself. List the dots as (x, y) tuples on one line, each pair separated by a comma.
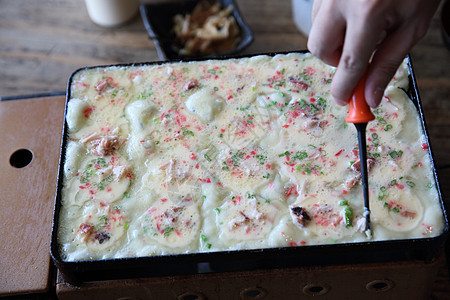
[(43, 42)]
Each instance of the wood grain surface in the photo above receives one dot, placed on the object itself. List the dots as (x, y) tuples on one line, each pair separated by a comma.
[(43, 42), (353, 281), (28, 191)]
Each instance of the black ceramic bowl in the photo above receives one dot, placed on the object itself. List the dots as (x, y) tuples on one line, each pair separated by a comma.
[(157, 18)]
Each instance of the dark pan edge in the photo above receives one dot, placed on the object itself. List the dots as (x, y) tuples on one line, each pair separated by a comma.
[(54, 248), (415, 96)]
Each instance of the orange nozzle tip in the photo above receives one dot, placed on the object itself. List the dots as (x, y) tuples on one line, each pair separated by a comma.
[(359, 110)]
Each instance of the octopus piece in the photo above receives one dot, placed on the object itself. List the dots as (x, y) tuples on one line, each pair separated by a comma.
[(106, 145), (290, 189), (353, 181), (104, 85), (298, 83), (357, 165), (314, 122), (169, 123), (102, 237), (168, 165), (408, 214), (382, 149), (93, 136), (239, 221), (100, 87), (328, 213), (105, 172), (170, 216), (243, 219), (86, 229), (120, 172), (324, 209), (191, 84), (103, 145), (300, 216)]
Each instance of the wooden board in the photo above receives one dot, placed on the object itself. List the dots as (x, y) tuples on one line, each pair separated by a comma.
[(391, 280), (27, 193)]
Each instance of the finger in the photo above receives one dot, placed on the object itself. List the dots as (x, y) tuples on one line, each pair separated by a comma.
[(315, 9), (327, 34), (360, 41), (385, 62), (389, 56)]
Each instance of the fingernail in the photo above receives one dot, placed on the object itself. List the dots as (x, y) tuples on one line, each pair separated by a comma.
[(376, 99), (340, 101)]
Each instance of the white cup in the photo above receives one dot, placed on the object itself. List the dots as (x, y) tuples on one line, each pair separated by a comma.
[(301, 12), (110, 13)]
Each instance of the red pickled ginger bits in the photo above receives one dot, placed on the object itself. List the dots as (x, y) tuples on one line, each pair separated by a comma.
[(87, 112)]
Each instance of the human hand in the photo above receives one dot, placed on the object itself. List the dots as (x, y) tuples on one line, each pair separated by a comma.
[(366, 35)]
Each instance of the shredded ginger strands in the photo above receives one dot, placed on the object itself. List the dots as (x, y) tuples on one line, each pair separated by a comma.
[(208, 29)]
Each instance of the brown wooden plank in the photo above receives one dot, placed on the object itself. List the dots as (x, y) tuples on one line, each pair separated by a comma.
[(26, 206), (404, 280)]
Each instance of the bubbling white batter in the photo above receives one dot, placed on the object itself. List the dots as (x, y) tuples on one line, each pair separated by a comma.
[(235, 154)]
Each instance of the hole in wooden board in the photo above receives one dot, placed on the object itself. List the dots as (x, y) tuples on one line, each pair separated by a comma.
[(253, 293), (316, 289), (380, 285), (21, 158)]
